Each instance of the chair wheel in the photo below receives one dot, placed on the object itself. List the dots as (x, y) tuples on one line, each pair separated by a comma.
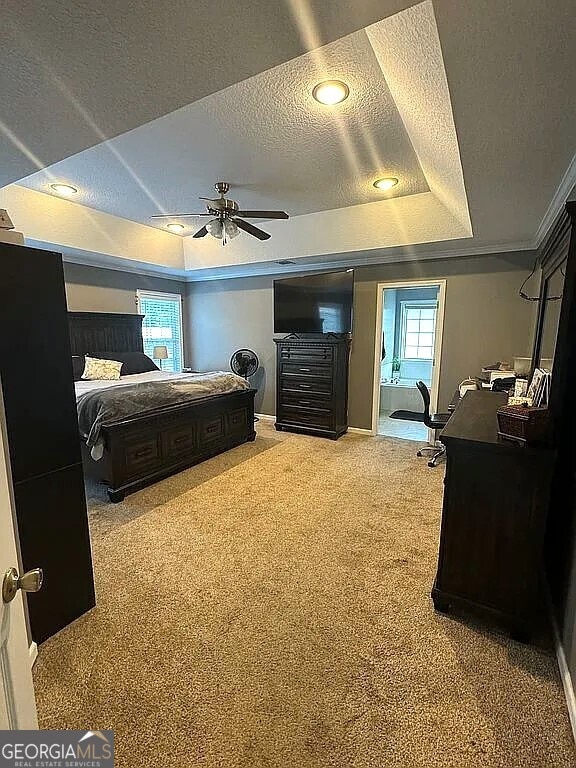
[(419, 454)]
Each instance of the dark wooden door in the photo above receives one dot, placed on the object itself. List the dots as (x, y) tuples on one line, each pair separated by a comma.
[(43, 438), (57, 540), (36, 364)]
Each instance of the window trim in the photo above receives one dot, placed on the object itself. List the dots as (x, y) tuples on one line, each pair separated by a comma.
[(416, 304), (144, 293)]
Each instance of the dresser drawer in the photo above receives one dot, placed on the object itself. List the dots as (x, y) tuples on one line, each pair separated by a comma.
[(179, 440), (311, 370), (309, 354), (311, 417), (307, 400), (236, 421), (211, 429), (313, 387), (141, 453)]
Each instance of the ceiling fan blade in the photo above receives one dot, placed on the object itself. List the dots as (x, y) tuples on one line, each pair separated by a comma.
[(251, 229), (263, 214), (178, 215), (201, 232)]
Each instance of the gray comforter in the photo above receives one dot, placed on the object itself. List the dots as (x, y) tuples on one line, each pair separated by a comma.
[(105, 406)]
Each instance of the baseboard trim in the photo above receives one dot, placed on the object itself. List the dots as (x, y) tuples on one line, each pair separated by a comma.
[(566, 678), (33, 653), (353, 430), (265, 417), (360, 431)]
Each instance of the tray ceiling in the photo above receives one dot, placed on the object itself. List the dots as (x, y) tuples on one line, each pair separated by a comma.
[(470, 104), (267, 136)]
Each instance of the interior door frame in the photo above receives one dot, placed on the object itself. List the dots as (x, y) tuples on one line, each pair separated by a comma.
[(438, 334)]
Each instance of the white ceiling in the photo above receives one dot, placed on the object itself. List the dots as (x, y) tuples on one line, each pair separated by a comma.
[(267, 136), (75, 74), (473, 101)]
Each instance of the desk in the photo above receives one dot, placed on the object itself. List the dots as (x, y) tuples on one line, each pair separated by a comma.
[(454, 402), (456, 399), (493, 518)]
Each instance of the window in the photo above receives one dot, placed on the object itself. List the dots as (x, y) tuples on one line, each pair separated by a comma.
[(418, 324), (162, 326)]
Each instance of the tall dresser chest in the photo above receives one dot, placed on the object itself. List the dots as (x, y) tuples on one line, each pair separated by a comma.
[(312, 385)]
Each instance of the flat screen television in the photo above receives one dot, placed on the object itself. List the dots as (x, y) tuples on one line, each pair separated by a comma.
[(314, 303)]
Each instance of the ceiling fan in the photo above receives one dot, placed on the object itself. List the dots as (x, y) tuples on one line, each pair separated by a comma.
[(227, 218)]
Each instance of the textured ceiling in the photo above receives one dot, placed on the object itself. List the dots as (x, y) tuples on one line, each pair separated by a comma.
[(76, 73), (267, 136), (73, 74)]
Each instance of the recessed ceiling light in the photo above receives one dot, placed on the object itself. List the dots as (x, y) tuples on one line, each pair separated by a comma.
[(175, 227), (385, 184), (67, 190), (331, 92)]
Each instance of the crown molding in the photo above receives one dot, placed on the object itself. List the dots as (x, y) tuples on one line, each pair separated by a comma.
[(419, 252), (266, 268), (565, 187), (115, 263)]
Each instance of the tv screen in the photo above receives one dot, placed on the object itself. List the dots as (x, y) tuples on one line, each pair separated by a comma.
[(314, 303)]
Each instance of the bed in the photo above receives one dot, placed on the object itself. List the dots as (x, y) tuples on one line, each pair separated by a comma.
[(141, 448)]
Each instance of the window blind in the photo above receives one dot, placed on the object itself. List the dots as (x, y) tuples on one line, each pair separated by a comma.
[(162, 326)]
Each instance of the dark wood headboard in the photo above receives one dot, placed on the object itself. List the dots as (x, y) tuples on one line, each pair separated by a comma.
[(92, 333)]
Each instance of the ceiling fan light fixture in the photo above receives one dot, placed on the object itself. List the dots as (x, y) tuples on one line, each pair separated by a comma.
[(227, 218), (331, 92), (386, 183), (231, 229), (222, 229), (66, 190), (214, 227)]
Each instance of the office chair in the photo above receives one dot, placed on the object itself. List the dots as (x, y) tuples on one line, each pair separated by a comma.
[(435, 421)]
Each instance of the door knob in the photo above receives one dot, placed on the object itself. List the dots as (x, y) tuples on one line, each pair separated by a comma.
[(31, 581)]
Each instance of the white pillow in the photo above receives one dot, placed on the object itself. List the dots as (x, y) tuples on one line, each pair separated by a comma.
[(96, 369)]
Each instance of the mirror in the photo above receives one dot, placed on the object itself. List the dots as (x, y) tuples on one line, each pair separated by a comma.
[(551, 317)]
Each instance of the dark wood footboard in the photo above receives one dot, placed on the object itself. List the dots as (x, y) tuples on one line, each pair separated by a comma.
[(143, 449)]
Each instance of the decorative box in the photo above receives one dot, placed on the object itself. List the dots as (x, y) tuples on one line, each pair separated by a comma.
[(523, 423)]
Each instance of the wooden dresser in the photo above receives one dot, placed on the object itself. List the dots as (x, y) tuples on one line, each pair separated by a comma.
[(493, 519), (312, 386)]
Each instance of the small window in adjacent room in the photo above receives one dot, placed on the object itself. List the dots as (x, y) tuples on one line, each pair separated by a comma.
[(418, 325), (162, 326)]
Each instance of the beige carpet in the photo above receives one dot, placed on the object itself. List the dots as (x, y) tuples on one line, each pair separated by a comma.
[(270, 609)]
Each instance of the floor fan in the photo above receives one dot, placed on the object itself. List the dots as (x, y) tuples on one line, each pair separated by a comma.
[(245, 363)]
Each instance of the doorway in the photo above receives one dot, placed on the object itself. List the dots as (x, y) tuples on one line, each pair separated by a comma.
[(408, 346)]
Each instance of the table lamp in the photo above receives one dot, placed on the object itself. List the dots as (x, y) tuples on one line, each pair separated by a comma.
[(160, 353)]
